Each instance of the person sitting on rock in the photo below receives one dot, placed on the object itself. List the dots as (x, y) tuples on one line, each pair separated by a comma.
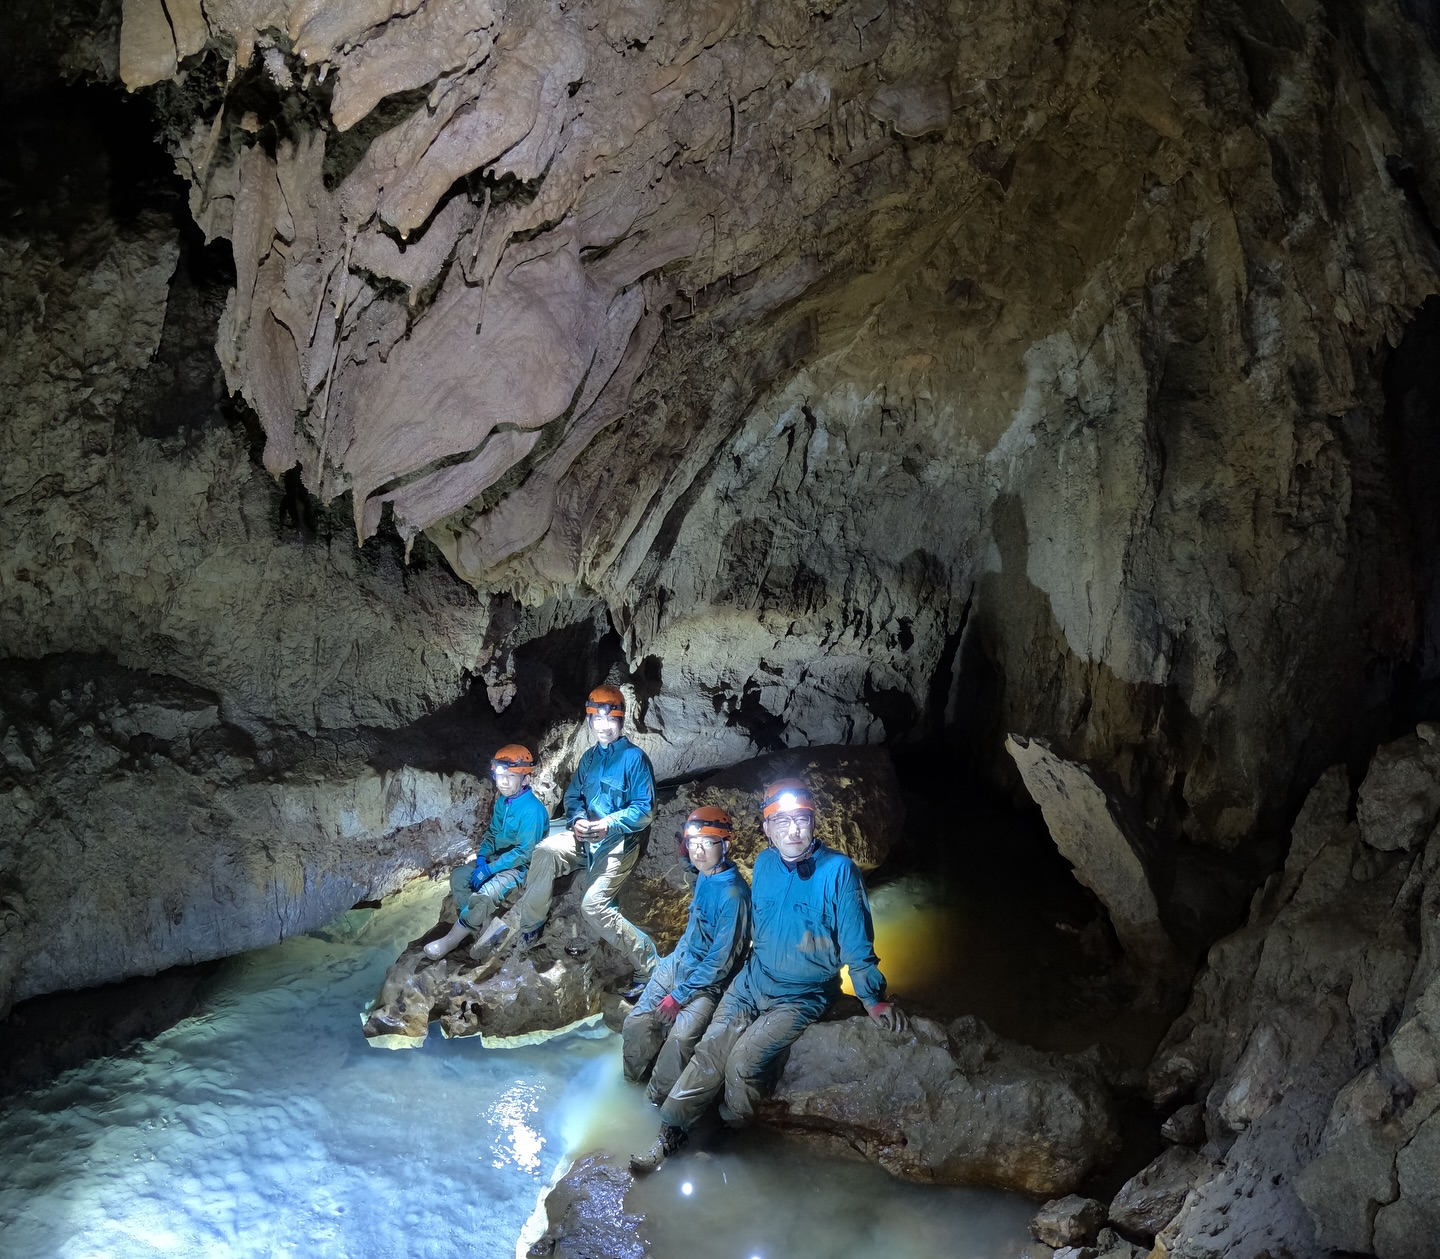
[(518, 822), (609, 804), (680, 998), (812, 916)]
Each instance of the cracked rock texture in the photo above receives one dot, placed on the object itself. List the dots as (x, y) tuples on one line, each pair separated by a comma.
[(1313, 1044)]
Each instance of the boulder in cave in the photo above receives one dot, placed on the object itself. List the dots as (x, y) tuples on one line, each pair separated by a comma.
[(950, 1104), (1310, 1040), (1068, 1221)]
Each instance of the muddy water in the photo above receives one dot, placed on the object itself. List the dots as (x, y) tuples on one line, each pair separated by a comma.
[(265, 1126)]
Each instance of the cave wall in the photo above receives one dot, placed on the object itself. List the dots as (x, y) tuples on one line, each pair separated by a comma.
[(873, 371)]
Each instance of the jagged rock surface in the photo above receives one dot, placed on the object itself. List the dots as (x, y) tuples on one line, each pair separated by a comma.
[(954, 1105), (143, 830), (1310, 1040), (815, 336)]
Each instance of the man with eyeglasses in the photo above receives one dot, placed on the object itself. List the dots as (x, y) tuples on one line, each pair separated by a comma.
[(812, 916), (518, 822), (608, 805), (680, 998)]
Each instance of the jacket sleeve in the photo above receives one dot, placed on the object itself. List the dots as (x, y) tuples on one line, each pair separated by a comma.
[(491, 838), (574, 796), (527, 829), (727, 946), (857, 936), (640, 792)]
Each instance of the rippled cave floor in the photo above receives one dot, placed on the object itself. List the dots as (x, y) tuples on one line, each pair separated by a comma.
[(264, 1125)]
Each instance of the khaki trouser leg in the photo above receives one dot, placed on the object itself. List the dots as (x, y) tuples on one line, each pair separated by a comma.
[(598, 907), (552, 857)]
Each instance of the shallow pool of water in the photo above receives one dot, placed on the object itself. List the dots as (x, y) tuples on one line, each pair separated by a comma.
[(266, 1126)]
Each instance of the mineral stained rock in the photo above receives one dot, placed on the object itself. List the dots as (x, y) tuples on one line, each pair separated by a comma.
[(953, 1105), (1312, 1041), (563, 978)]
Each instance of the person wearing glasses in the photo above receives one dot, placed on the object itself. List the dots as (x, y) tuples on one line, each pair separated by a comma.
[(517, 823), (812, 916), (675, 1008), (608, 807)]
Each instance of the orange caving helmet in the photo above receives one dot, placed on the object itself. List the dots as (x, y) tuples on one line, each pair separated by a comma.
[(514, 757), (788, 795), (606, 699), (709, 821)]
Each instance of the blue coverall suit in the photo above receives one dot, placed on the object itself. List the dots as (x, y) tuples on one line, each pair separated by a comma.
[(517, 824), (615, 784), (804, 930), (704, 960)]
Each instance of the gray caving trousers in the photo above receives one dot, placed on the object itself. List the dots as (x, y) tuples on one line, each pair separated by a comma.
[(741, 1054), (649, 1039), (477, 908), (559, 854)]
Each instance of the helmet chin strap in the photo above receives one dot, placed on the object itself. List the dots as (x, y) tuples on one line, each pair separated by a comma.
[(804, 864)]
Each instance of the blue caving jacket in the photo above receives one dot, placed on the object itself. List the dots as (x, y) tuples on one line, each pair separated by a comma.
[(805, 930), (517, 824), (713, 945), (616, 784)]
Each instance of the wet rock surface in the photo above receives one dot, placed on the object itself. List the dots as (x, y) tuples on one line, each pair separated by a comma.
[(1068, 1221), (587, 1216), (950, 1104), (1310, 1042), (1150, 1199)]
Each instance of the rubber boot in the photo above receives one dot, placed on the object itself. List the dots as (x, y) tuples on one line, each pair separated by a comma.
[(669, 1140), (487, 938), (437, 949)]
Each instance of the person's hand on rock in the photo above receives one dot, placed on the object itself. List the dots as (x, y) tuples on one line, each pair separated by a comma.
[(890, 1017)]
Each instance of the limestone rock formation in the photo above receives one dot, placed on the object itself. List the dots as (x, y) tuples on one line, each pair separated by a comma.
[(100, 772), (871, 363), (1151, 1198), (1110, 858), (954, 1105), (564, 978), (1310, 1042)]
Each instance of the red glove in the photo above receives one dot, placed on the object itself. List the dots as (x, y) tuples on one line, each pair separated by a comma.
[(668, 1009), (890, 1016)]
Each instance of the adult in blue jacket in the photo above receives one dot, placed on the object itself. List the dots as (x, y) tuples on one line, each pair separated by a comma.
[(811, 917), (608, 804), (675, 1008), (518, 821)]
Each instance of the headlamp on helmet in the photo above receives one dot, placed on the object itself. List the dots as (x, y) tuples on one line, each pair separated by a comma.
[(514, 758), (788, 795), (606, 701)]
